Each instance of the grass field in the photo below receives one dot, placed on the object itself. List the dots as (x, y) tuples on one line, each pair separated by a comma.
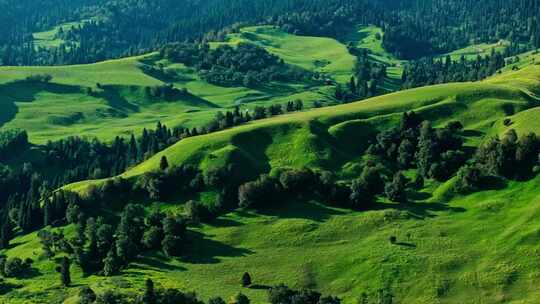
[(483, 245), (64, 108), (49, 39), (481, 248)]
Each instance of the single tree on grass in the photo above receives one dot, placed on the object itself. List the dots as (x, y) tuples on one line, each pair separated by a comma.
[(164, 163), (246, 280), (63, 269), (217, 300), (149, 296)]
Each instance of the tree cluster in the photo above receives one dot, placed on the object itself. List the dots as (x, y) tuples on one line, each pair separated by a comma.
[(511, 157), (246, 64), (281, 294), (434, 71)]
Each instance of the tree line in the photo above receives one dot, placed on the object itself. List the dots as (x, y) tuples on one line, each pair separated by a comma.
[(431, 71)]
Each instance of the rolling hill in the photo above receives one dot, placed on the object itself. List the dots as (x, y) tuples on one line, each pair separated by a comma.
[(478, 248), (73, 104)]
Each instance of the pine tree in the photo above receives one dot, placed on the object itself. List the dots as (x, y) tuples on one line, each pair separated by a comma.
[(246, 279), (5, 233), (149, 296), (63, 269), (111, 264), (164, 163)]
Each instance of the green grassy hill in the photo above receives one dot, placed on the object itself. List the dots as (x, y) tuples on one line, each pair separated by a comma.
[(64, 107), (72, 103), (473, 51), (480, 248), (324, 55)]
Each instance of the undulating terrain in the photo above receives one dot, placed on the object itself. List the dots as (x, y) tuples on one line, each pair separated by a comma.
[(329, 160)]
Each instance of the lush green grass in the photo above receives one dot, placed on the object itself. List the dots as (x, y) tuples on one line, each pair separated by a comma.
[(63, 107), (324, 55), (471, 52), (476, 249), (49, 39)]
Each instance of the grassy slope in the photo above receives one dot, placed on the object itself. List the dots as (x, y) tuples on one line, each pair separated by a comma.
[(63, 108), (480, 248), (471, 52), (319, 54), (475, 249)]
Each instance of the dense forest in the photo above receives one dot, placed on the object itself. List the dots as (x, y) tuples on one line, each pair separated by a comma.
[(124, 27)]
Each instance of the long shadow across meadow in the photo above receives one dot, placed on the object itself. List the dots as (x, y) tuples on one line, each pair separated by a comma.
[(302, 209), (201, 249), (25, 91)]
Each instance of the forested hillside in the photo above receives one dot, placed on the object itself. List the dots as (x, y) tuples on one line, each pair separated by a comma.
[(109, 29)]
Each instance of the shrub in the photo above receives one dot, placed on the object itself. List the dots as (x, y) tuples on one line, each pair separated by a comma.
[(87, 295), (15, 267), (396, 190), (246, 279), (468, 179), (152, 238), (44, 78), (298, 181), (259, 193)]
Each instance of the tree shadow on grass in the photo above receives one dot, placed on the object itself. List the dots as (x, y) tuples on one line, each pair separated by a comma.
[(405, 244), (25, 91), (421, 210), (472, 133), (493, 183), (302, 209), (417, 196), (30, 273), (260, 287), (200, 249), (224, 222), (155, 262), (115, 100), (6, 287)]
